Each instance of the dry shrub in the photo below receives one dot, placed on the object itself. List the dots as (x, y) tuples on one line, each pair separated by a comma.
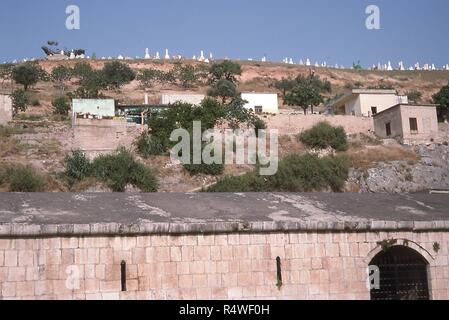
[(369, 157)]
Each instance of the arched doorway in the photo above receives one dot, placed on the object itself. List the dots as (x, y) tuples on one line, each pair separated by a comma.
[(403, 275)]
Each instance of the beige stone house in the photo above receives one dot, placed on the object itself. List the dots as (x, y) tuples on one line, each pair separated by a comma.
[(261, 102), (224, 246), (5, 109), (409, 124), (368, 102)]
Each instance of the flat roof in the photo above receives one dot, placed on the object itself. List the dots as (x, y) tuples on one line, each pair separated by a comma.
[(253, 92), (356, 92), (374, 91), (405, 105), (65, 214)]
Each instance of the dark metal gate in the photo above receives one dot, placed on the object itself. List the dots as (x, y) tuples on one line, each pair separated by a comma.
[(403, 275)]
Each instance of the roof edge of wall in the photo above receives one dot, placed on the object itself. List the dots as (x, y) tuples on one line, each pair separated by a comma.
[(15, 230)]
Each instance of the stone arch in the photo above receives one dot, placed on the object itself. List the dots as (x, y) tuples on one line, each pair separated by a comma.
[(402, 242), (400, 273)]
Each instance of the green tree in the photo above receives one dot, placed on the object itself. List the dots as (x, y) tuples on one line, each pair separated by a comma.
[(323, 135), (224, 89), (284, 85), (83, 71), (61, 74), (357, 66), (91, 85), (186, 75), (226, 70), (441, 98), (20, 101), (117, 74), (307, 92), (26, 74), (414, 96), (149, 77), (61, 106)]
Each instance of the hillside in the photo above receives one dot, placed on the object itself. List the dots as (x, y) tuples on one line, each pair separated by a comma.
[(256, 76), (41, 140)]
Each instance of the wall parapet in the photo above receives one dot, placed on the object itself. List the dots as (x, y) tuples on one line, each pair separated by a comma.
[(14, 230)]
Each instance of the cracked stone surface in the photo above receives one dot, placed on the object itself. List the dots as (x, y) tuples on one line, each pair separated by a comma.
[(72, 209)]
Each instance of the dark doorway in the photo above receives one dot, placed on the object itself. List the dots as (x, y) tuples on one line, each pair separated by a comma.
[(403, 275), (388, 129)]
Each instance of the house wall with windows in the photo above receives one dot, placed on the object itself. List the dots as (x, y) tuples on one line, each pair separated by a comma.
[(409, 124), (367, 102), (261, 102)]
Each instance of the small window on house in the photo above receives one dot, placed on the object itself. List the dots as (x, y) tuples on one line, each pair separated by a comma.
[(388, 129), (413, 125), (258, 109), (373, 111)]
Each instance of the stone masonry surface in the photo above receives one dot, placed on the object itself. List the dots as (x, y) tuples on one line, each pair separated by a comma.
[(211, 246)]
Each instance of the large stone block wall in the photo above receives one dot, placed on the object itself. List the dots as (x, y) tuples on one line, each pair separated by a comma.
[(226, 266)]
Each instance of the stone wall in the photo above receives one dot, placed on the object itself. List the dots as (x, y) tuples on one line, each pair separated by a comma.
[(315, 265), (5, 109), (95, 136), (289, 123)]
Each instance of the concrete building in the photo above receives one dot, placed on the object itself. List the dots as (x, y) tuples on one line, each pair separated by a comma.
[(98, 136), (368, 102), (94, 107), (409, 124), (224, 246), (5, 109), (171, 98), (261, 102)]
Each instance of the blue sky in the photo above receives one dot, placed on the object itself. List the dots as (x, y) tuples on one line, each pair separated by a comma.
[(331, 30)]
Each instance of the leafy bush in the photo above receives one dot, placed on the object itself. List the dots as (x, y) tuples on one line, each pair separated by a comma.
[(61, 106), (250, 182), (24, 179), (414, 96), (148, 146), (35, 103), (296, 174), (77, 167), (120, 169), (20, 101), (323, 135)]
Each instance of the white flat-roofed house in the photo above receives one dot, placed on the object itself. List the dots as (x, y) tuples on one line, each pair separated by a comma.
[(261, 102), (190, 98), (368, 102), (94, 107)]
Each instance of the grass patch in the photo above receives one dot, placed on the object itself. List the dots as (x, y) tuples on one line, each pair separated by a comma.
[(370, 157)]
